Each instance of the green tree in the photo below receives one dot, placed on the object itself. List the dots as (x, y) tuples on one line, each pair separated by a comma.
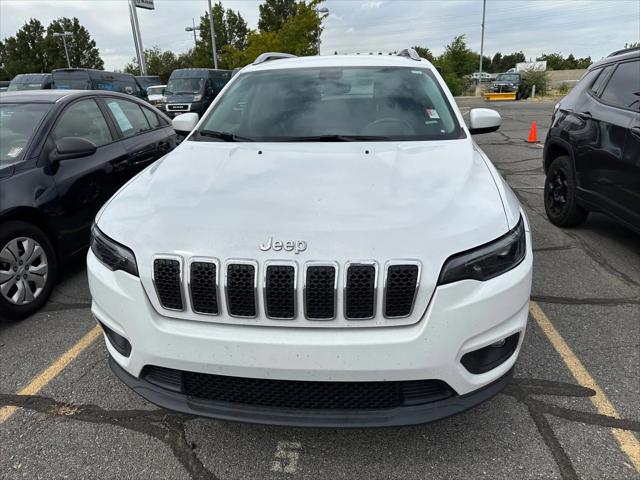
[(161, 63), (231, 31), (83, 52), (456, 63), (425, 53), (274, 13), (25, 52), (500, 63), (3, 72), (298, 35)]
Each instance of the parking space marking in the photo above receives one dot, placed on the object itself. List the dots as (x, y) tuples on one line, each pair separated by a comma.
[(53, 370), (287, 455), (627, 441)]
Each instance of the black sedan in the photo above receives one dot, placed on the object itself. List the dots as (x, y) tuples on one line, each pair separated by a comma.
[(63, 153)]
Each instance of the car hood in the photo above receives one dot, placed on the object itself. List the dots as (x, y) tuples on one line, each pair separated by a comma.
[(347, 201)]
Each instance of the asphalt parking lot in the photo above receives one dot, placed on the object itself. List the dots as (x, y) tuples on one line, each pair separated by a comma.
[(572, 411)]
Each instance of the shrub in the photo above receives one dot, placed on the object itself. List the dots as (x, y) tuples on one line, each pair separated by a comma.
[(534, 77), (564, 88)]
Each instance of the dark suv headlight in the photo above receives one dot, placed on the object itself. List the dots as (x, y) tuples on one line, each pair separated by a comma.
[(487, 261), (111, 254)]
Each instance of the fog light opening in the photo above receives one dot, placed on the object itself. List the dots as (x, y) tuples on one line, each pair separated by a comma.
[(117, 341), (489, 357)]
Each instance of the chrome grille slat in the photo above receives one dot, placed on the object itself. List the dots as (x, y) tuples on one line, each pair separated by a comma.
[(167, 280), (203, 286), (280, 289), (320, 290), (241, 278), (279, 278)]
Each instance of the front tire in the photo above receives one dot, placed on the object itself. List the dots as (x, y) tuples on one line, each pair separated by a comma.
[(560, 195), (28, 269)]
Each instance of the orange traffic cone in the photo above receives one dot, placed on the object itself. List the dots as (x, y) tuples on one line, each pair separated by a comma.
[(533, 133)]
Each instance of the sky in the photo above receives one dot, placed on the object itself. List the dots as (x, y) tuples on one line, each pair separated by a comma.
[(582, 27)]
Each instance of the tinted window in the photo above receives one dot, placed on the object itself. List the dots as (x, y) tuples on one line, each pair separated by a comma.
[(77, 80), (152, 118), (17, 124), (83, 119), (624, 87), (597, 85), (129, 117), (374, 103)]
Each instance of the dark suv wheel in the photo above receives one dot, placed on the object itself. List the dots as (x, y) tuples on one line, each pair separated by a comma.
[(560, 195), (27, 269)]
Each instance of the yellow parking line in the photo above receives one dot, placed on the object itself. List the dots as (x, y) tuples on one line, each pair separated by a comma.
[(627, 441), (53, 370)]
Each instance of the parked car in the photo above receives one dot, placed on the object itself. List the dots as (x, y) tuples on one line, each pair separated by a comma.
[(592, 150), (30, 81), (508, 82), (147, 81), (193, 89), (4, 85), (328, 247), (62, 155), (87, 79), (155, 96)]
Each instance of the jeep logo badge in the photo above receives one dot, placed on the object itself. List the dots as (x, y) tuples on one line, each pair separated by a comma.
[(295, 246)]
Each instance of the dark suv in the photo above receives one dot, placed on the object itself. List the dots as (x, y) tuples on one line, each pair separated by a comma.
[(592, 150)]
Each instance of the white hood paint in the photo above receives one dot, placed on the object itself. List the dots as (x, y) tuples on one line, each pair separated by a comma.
[(407, 200)]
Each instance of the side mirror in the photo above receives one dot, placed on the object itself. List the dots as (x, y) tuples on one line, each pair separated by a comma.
[(72, 147), (483, 120), (186, 122)]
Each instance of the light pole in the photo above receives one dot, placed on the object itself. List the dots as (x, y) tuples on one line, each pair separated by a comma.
[(137, 38), (484, 7), (64, 36), (320, 12), (193, 29), (213, 37)]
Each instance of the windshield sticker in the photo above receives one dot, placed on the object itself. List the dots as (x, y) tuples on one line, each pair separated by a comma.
[(14, 152), (432, 113), (121, 118)]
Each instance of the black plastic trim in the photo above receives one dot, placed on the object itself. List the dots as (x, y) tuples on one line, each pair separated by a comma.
[(406, 415)]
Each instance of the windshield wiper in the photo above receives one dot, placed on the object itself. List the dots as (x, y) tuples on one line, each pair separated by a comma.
[(223, 136), (335, 138)]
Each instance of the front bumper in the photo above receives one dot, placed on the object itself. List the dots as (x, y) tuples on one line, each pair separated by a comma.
[(462, 317), (406, 415)]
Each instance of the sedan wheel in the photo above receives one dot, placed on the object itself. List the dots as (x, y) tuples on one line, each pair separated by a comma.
[(24, 269), (27, 269)]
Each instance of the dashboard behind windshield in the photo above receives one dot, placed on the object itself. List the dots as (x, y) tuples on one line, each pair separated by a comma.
[(341, 103)]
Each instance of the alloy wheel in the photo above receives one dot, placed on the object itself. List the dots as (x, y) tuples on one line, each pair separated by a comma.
[(557, 192), (24, 269)]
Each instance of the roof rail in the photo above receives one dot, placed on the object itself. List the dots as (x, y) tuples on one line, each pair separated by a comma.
[(268, 56), (623, 50), (410, 53)]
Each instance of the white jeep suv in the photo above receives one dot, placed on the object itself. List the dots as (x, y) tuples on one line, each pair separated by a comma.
[(328, 247)]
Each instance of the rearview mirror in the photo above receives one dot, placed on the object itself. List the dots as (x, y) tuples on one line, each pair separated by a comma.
[(483, 120), (186, 122), (72, 147)]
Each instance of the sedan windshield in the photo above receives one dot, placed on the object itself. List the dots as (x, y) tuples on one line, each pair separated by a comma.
[(17, 124), (332, 104)]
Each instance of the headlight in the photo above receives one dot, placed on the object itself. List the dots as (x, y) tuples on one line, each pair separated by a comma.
[(487, 261), (111, 254), (197, 98)]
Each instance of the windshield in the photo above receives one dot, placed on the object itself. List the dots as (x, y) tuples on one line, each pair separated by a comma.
[(155, 90), (508, 77), (14, 87), (332, 104), (17, 124), (71, 80), (185, 86)]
